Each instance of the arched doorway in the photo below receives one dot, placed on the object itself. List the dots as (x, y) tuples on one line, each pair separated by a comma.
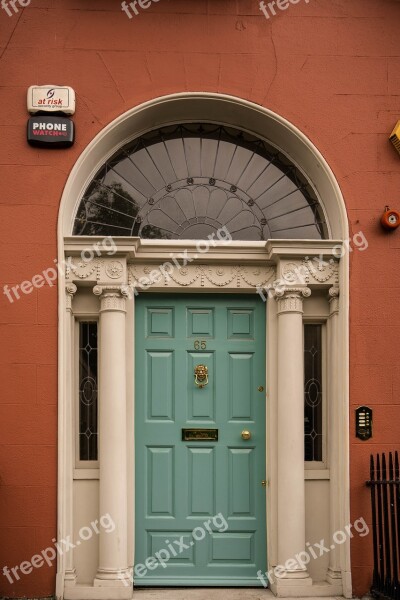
[(155, 182)]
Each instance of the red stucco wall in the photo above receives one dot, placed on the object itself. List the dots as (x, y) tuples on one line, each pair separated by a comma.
[(331, 68)]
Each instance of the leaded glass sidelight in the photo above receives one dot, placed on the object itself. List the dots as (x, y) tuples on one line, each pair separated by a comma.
[(313, 423), (188, 181), (88, 408)]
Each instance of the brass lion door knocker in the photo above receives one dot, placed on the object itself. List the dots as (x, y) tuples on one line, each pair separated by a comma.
[(201, 376)]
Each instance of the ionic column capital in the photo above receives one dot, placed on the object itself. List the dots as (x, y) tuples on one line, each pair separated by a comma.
[(112, 298), (333, 296), (290, 300), (70, 291)]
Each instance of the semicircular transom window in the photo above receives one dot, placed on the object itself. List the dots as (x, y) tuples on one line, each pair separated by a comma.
[(189, 181)]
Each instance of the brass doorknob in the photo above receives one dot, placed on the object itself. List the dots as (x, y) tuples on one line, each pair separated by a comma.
[(246, 435)]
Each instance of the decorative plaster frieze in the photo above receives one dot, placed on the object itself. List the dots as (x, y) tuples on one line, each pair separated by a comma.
[(143, 275), (200, 276), (310, 271), (322, 271), (315, 272), (80, 269), (96, 270)]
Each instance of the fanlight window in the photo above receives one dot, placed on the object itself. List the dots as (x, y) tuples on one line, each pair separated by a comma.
[(188, 181)]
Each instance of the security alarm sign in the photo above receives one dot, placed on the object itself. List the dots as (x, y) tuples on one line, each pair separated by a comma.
[(51, 132), (50, 99)]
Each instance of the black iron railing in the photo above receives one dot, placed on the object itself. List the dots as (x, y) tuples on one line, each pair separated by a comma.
[(385, 501)]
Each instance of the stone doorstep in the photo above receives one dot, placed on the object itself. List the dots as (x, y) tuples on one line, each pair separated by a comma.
[(210, 594), (203, 594), (194, 593)]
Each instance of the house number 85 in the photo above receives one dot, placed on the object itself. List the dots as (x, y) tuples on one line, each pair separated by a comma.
[(200, 344)]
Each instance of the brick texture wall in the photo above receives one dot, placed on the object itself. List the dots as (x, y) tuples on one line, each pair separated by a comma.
[(331, 68)]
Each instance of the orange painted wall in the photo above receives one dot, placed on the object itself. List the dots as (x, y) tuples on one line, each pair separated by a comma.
[(331, 68)]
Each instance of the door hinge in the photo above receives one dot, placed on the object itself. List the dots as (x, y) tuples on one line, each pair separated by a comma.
[(264, 482)]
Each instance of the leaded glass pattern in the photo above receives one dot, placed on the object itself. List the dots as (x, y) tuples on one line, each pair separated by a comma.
[(188, 181), (88, 403), (313, 423)]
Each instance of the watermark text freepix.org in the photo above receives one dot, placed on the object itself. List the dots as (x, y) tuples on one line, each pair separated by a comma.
[(5, 5), (316, 550), (176, 547), (107, 245), (269, 10), (300, 273), (50, 275), (125, 6), (165, 270), (49, 554)]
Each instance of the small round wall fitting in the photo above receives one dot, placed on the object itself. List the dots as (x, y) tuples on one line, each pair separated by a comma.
[(390, 219)]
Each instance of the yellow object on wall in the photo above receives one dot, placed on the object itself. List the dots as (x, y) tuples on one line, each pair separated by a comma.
[(395, 137)]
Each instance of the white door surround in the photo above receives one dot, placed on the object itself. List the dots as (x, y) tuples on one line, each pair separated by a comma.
[(238, 267)]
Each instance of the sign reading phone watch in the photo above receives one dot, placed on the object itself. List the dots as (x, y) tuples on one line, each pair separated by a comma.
[(51, 132)]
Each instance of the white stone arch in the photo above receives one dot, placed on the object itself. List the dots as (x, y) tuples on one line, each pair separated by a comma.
[(213, 108), (239, 113)]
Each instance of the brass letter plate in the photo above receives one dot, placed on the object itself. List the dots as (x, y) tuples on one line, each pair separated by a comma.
[(199, 435)]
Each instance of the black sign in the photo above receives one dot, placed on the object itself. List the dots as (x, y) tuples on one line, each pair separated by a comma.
[(51, 132)]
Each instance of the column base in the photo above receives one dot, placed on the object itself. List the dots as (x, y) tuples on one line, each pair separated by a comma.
[(334, 576), (292, 585), (113, 578), (284, 588), (70, 577)]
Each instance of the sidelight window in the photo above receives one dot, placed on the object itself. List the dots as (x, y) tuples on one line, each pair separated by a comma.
[(88, 398), (313, 393)]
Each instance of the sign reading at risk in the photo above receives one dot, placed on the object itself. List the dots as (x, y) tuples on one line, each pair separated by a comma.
[(50, 99)]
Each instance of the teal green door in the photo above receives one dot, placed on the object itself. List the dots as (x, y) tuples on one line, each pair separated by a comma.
[(200, 504)]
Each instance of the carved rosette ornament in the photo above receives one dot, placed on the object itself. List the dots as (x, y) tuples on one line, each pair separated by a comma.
[(291, 272), (112, 298), (114, 269), (291, 299)]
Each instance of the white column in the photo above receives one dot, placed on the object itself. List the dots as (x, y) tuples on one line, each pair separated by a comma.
[(334, 571), (70, 572), (113, 548), (291, 489)]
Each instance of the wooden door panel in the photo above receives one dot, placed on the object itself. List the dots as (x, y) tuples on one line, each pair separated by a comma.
[(200, 506)]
